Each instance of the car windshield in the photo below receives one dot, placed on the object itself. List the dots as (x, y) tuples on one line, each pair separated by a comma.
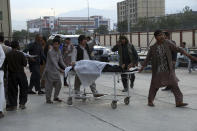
[(74, 40)]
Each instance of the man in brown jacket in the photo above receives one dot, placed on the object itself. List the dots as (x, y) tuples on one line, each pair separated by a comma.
[(162, 68)]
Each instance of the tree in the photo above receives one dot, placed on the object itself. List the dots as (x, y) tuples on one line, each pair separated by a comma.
[(80, 32), (186, 19), (19, 35), (103, 29)]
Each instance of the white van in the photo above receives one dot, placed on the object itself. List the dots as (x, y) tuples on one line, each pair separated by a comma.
[(73, 38)]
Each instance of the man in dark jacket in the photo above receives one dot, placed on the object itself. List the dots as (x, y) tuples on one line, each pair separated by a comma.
[(128, 58), (35, 48), (16, 61)]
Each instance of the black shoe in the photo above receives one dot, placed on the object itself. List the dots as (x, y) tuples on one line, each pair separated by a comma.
[(31, 92), (57, 99), (1, 114), (41, 92), (166, 89), (11, 108), (181, 104), (49, 102), (98, 95), (66, 84), (125, 90), (22, 107), (131, 85)]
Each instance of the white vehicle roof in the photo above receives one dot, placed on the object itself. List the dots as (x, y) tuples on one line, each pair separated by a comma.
[(98, 47), (63, 36)]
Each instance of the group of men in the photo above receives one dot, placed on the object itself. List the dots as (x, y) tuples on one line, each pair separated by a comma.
[(162, 56), (55, 59)]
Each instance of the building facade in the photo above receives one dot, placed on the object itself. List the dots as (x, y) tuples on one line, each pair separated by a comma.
[(66, 24), (42, 25), (5, 19), (132, 10)]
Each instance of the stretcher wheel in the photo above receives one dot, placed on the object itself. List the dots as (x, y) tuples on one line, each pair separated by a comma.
[(114, 104), (69, 101), (127, 101)]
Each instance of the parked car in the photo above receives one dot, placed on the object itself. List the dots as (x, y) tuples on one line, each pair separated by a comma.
[(142, 56), (73, 38), (101, 53)]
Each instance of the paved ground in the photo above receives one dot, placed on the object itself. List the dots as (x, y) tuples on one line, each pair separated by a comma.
[(97, 115)]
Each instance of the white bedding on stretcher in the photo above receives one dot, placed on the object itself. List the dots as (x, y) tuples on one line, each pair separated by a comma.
[(87, 71)]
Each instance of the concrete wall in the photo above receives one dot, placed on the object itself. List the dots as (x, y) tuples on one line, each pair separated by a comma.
[(140, 39), (5, 24)]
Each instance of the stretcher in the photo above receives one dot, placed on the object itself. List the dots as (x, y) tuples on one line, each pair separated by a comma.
[(116, 76)]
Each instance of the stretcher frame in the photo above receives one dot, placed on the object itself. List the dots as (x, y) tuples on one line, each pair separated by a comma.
[(115, 96)]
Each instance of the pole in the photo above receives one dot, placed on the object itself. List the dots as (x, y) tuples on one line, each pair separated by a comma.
[(1, 28), (128, 16), (147, 28), (53, 9), (88, 14), (9, 20)]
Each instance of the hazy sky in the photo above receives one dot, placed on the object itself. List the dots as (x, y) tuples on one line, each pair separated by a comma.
[(29, 9)]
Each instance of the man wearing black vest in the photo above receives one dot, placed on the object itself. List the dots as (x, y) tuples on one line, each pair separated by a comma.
[(82, 52)]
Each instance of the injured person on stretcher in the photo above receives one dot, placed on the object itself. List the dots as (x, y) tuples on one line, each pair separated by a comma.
[(87, 71)]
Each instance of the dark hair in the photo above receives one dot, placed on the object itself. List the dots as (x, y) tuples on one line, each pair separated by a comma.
[(57, 37), (7, 43), (44, 38), (56, 40), (122, 37), (167, 34), (157, 32), (88, 37), (67, 39), (37, 36), (184, 43), (15, 44), (81, 38), (1, 38)]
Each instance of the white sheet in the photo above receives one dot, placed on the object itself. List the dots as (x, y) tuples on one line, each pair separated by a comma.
[(87, 71)]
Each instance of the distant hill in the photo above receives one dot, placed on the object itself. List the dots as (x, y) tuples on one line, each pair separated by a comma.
[(112, 14)]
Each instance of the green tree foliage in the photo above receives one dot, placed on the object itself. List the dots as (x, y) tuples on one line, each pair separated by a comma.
[(22, 35), (186, 19), (80, 32), (103, 29)]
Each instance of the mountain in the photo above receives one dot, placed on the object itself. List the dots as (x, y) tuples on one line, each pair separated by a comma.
[(111, 14)]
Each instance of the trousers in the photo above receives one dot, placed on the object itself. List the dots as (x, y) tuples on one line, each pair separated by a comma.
[(2, 92), (125, 79), (16, 80), (35, 77), (78, 84), (174, 88), (49, 85)]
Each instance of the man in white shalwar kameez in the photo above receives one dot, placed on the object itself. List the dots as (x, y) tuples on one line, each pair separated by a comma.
[(2, 93)]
